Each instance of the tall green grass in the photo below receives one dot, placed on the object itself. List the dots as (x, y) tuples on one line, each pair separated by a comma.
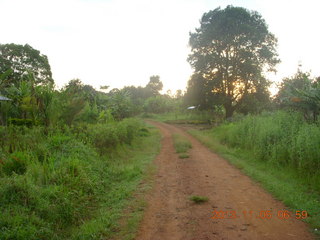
[(70, 183), (281, 138)]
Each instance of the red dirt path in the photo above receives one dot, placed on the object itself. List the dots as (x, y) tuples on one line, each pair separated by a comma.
[(170, 214)]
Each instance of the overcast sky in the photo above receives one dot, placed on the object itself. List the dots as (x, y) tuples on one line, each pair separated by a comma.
[(124, 42)]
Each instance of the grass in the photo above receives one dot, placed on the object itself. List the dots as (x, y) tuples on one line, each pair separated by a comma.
[(181, 144), (283, 182), (124, 204), (184, 155), (72, 185), (198, 199), (188, 116)]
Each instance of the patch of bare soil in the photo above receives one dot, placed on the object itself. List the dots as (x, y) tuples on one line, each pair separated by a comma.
[(237, 208)]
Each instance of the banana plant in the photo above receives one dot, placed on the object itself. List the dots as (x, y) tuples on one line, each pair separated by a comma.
[(310, 99)]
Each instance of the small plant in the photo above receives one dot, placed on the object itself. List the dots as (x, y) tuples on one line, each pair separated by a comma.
[(144, 132), (184, 155), (199, 199), (181, 144)]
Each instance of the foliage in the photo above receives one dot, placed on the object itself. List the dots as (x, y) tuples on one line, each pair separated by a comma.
[(230, 51), (106, 137), (301, 93), (55, 186), (199, 93), (282, 138), (21, 59), (21, 122), (16, 163), (24, 79), (159, 104), (5, 79), (198, 199), (181, 143), (120, 104), (154, 85), (184, 155)]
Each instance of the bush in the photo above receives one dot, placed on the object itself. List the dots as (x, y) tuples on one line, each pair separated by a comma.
[(21, 122), (108, 136), (16, 163)]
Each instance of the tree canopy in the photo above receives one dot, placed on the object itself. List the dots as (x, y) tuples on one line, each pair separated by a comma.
[(154, 85), (229, 53), (23, 58), (302, 93)]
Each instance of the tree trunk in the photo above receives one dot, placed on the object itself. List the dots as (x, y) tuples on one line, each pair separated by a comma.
[(229, 110)]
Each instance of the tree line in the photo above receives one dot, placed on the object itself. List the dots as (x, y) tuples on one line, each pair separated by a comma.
[(29, 96), (230, 53)]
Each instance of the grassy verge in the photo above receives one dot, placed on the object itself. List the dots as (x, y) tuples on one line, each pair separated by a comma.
[(283, 182), (74, 183), (123, 206), (181, 145)]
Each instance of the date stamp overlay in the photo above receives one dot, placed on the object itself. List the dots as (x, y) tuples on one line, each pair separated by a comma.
[(261, 214)]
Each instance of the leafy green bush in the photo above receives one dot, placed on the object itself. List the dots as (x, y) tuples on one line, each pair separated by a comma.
[(159, 104), (108, 136)]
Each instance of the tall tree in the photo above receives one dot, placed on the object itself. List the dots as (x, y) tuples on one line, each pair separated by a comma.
[(154, 85), (21, 59), (231, 49)]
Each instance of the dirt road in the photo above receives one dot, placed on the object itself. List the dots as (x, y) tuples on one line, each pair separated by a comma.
[(170, 214)]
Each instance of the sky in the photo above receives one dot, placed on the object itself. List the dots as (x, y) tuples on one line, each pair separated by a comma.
[(124, 42)]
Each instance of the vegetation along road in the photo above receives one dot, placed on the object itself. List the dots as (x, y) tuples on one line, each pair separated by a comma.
[(201, 196)]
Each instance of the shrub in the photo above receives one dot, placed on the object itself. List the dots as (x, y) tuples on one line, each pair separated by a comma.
[(108, 136), (21, 122), (16, 163)]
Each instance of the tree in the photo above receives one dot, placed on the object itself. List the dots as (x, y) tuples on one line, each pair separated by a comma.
[(154, 85), (199, 93), (21, 59), (302, 93), (289, 86), (120, 104), (159, 104), (230, 50)]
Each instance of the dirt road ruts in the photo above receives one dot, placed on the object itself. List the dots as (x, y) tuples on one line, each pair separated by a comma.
[(170, 214)]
